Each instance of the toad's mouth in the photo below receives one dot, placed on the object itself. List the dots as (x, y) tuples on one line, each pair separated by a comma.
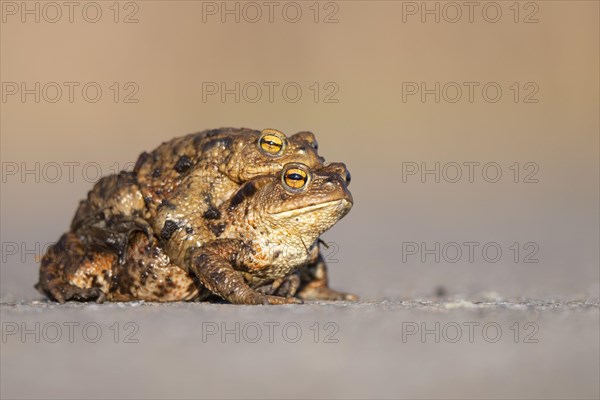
[(341, 203)]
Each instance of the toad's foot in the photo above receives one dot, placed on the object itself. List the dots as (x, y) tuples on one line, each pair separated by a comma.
[(325, 293), (63, 292), (266, 299), (284, 287)]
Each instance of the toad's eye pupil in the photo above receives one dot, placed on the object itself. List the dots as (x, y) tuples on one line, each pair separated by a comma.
[(296, 178), (271, 144)]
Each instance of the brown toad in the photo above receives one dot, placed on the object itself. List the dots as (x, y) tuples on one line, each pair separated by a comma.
[(132, 238)]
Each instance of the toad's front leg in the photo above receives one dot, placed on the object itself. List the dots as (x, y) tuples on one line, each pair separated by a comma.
[(214, 263)]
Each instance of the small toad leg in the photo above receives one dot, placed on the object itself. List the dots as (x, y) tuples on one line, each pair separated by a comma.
[(113, 235), (285, 287), (290, 285), (315, 283), (213, 265)]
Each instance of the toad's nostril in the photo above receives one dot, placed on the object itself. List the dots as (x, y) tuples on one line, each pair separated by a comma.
[(322, 159)]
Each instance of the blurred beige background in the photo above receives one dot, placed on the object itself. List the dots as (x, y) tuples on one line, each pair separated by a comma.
[(172, 60), (359, 67), (368, 54)]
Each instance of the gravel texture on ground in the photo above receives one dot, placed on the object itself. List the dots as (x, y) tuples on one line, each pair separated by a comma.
[(459, 347)]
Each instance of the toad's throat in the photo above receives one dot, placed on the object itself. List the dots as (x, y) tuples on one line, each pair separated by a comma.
[(311, 208)]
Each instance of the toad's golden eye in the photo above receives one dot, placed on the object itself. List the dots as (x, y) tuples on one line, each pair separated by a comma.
[(272, 142), (295, 178)]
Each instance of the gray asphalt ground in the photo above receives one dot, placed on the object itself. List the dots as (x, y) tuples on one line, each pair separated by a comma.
[(458, 347)]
